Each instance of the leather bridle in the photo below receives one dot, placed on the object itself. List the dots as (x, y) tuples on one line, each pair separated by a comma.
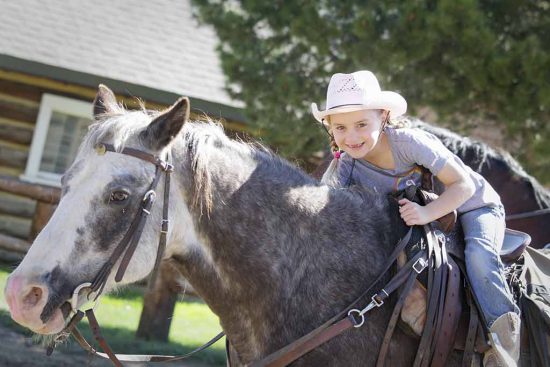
[(123, 252)]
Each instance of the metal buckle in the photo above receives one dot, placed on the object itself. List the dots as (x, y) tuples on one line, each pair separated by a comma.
[(74, 299), (100, 149), (151, 194), (168, 168), (419, 265), (358, 314), (164, 226), (376, 302), (89, 297)]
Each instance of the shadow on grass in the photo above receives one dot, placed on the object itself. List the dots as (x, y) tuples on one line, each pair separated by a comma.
[(123, 341)]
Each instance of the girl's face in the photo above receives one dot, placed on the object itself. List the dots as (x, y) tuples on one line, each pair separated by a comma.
[(357, 133)]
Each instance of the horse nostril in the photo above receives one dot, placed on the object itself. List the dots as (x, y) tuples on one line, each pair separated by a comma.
[(33, 297)]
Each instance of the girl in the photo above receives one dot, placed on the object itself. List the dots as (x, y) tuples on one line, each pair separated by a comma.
[(386, 158)]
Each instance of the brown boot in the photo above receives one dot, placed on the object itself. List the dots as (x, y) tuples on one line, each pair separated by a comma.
[(504, 335)]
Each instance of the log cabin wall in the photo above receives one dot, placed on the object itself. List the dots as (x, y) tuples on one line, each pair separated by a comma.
[(19, 104), (20, 97)]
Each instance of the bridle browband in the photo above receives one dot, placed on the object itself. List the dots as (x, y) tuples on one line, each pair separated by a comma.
[(124, 252)]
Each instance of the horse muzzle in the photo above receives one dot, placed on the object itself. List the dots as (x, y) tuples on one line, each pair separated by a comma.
[(26, 301)]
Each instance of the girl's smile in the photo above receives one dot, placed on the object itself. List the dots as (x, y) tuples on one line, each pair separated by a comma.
[(355, 146)]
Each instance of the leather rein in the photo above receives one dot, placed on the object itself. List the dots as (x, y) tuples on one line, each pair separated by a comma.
[(123, 252)]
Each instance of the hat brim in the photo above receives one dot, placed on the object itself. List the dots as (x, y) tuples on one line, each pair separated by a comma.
[(386, 100)]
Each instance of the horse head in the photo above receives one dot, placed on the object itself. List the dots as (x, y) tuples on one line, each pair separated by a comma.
[(102, 193)]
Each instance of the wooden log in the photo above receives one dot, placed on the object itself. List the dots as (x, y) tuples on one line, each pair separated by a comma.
[(9, 243), (11, 171), (13, 157), (47, 194), (16, 205), (15, 226), (16, 134), (42, 215), (19, 90), (158, 306), (18, 112)]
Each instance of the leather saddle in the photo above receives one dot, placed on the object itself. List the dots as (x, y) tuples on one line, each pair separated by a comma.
[(460, 327)]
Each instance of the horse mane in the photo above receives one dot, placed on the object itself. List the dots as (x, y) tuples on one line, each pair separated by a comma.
[(477, 154), (203, 138)]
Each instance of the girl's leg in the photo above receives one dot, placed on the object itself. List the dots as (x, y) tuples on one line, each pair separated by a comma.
[(483, 233)]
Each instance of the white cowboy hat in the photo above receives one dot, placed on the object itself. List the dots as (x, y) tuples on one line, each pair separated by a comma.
[(358, 91)]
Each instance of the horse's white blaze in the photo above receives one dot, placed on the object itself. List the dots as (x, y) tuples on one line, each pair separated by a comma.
[(56, 241)]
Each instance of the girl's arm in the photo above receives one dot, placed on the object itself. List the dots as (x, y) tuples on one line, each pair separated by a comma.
[(458, 188)]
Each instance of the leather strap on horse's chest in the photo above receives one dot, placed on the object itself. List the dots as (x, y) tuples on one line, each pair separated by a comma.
[(437, 338), (342, 321)]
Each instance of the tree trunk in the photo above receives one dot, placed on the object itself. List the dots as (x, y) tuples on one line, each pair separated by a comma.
[(158, 306)]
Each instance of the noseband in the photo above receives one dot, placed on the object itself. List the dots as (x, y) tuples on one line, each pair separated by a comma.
[(123, 252)]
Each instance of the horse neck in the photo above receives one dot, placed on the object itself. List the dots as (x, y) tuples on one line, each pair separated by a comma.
[(274, 242)]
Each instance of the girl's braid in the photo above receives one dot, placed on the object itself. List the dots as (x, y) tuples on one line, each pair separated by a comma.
[(333, 147)]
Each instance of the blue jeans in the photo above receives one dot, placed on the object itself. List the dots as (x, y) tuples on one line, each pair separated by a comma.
[(484, 233)]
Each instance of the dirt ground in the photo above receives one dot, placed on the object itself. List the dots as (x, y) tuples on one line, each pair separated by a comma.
[(19, 350)]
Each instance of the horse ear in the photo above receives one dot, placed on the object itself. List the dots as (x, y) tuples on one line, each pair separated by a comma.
[(104, 101), (164, 128)]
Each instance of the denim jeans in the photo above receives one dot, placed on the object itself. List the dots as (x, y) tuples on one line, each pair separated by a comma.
[(484, 233)]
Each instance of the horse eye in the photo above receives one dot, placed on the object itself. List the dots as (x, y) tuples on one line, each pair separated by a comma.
[(118, 196)]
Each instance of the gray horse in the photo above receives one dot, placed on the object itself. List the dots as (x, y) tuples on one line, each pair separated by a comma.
[(272, 252)]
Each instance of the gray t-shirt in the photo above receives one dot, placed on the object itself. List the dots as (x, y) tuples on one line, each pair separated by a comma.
[(412, 148)]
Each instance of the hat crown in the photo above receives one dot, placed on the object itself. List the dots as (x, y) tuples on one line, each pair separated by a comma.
[(352, 89), (355, 92)]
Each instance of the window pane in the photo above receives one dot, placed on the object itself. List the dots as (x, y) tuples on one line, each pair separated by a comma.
[(65, 134)]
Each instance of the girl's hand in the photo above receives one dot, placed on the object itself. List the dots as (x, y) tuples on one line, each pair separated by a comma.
[(412, 213)]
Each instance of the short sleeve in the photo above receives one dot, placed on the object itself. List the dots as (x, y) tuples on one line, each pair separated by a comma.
[(422, 148)]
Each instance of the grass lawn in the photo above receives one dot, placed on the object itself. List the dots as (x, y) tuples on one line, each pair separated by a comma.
[(118, 315)]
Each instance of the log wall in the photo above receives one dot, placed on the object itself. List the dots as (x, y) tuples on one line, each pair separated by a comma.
[(23, 212), (19, 105)]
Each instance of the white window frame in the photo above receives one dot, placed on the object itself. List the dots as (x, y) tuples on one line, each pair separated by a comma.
[(48, 104)]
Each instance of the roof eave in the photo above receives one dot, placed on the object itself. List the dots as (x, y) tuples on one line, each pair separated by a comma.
[(213, 109)]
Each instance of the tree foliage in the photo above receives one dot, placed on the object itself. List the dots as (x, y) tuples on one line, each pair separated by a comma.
[(468, 60)]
